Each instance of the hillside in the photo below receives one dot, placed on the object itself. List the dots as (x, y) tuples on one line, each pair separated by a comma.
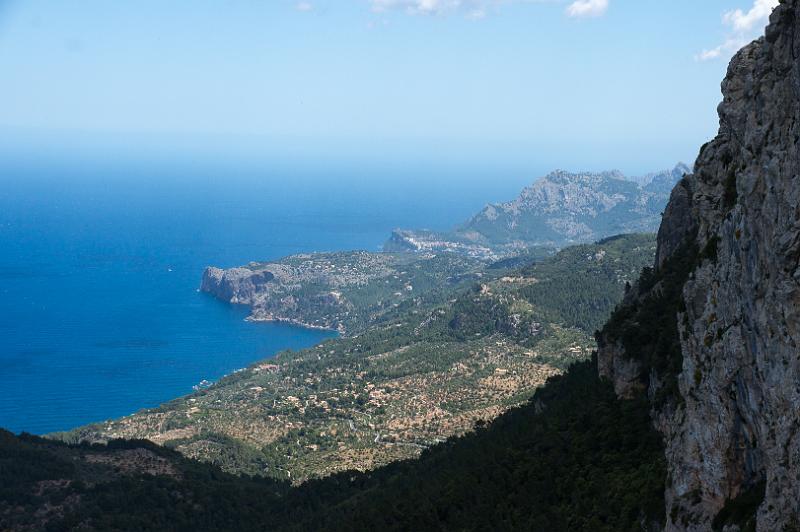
[(344, 291), (557, 210), (575, 458), (429, 369), (127, 485)]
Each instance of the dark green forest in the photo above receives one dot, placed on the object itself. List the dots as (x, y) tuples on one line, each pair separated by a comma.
[(573, 458)]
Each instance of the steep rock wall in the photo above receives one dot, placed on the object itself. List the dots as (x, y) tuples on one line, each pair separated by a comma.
[(731, 417)]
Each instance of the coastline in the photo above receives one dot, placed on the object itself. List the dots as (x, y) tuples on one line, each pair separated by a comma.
[(297, 323)]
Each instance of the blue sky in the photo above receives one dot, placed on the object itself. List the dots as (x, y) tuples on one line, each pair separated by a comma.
[(587, 84)]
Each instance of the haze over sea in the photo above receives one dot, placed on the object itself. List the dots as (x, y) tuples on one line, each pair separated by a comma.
[(99, 268)]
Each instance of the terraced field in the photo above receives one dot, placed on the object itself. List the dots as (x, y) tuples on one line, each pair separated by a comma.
[(431, 367)]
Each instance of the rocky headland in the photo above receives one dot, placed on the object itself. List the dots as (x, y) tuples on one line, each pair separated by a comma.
[(344, 291)]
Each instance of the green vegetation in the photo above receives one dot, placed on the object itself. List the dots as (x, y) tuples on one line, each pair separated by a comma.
[(577, 287), (572, 458), (584, 297), (127, 485), (426, 370), (346, 291), (523, 258), (641, 325)]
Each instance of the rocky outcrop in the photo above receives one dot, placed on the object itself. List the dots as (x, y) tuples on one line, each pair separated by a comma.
[(729, 409), (663, 182), (306, 290), (623, 372), (677, 224), (237, 285)]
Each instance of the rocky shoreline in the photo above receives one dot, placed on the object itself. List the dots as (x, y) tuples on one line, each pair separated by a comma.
[(342, 292), (295, 323)]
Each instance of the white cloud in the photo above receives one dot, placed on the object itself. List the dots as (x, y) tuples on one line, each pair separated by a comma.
[(587, 8), (427, 7), (754, 18), (708, 55), (472, 9), (743, 28), (304, 6)]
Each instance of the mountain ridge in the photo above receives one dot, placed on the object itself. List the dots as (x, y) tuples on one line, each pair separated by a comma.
[(561, 208)]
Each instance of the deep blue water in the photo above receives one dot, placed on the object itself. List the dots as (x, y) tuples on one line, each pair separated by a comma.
[(99, 268)]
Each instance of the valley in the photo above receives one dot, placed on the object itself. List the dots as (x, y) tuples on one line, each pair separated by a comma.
[(426, 368)]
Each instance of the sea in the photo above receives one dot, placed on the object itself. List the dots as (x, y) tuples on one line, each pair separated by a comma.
[(100, 264)]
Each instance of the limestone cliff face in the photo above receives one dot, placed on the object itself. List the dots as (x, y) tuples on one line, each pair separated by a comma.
[(236, 285), (732, 424)]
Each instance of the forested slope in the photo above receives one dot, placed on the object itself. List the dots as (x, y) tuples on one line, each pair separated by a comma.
[(573, 458)]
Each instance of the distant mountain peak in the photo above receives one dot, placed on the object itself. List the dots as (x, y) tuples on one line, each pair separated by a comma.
[(589, 176), (673, 175), (556, 210)]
